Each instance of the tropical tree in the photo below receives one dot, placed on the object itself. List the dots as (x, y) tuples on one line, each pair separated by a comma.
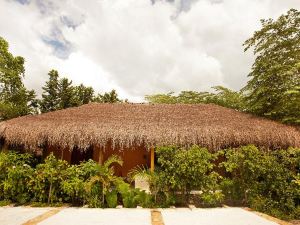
[(221, 96), (168, 98), (83, 95), (103, 180), (227, 98), (15, 99), (275, 72), (66, 94), (50, 97), (107, 97), (290, 106)]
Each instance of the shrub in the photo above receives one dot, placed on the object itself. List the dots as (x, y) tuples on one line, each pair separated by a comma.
[(266, 181), (112, 198), (102, 182), (182, 170), (15, 175), (47, 179), (131, 197), (73, 185), (16, 185)]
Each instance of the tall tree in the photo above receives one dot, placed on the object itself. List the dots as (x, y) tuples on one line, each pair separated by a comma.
[(276, 69), (228, 98), (15, 99), (108, 97), (83, 94), (290, 106), (66, 94), (50, 97)]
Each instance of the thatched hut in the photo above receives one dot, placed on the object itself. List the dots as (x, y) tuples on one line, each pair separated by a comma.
[(133, 130)]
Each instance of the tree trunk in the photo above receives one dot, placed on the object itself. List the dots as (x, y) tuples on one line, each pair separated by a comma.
[(50, 193)]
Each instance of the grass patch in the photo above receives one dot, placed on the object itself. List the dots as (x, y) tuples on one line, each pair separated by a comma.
[(5, 203)]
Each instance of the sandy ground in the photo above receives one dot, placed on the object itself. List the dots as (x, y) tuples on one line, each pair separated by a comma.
[(85, 216)]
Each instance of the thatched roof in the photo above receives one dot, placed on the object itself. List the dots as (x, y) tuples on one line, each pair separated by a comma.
[(125, 125)]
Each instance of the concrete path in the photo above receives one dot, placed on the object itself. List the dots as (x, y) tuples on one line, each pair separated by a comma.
[(215, 216), (19, 215), (86, 216)]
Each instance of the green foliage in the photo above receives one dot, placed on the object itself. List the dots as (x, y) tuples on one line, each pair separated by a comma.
[(50, 96), (112, 198), (15, 99), (184, 170), (168, 98), (131, 197), (48, 176), (266, 181), (73, 185), (228, 98), (107, 97), (275, 73), (15, 186), (83, 95), (102, 181), (4, 203), (212, 198), (66, 94), (15, 174), (59, 93), (221, 96), (290, 106)]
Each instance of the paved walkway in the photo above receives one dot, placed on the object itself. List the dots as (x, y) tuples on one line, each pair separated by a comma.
[(85, 216)]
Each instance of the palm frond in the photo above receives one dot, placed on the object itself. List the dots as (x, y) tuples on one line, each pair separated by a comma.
[(113, 159)]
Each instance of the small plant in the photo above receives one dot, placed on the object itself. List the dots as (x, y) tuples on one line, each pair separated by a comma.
[(100, 184)]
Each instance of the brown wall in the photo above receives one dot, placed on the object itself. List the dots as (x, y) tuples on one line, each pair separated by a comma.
[(58, 153), (138, 156), (131, 157)]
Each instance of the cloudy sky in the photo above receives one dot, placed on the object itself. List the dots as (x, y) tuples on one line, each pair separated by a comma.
[(137, 47)]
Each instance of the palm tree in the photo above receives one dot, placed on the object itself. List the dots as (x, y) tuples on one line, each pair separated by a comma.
[(105, 176)]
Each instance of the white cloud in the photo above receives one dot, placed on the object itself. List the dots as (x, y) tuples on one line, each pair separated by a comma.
[(134, 46)]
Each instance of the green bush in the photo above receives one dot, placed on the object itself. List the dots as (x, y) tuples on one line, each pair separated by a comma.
[(112, 198), (267, 181), (183, 170), (15, 175), (16, 185), (47, 179), (74, 186), (132, 197)]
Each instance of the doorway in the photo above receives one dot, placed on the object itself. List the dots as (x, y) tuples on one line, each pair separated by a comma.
[(79, 155)]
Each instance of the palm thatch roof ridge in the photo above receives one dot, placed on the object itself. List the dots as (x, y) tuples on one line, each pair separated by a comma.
[(125, 125)]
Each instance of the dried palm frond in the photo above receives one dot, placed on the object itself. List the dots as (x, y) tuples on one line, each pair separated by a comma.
[(128, 125)]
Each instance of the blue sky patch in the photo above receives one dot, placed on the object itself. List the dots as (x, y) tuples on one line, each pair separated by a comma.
[(23, 2), (62, 48)]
